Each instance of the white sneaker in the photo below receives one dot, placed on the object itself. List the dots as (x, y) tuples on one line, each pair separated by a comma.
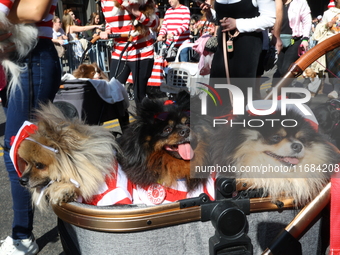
[(10, 246), (333, 95)]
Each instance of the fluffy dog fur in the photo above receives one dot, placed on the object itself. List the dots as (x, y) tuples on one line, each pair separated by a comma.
[(300, 147), (91, 71), (147, 7), (85, 154), (24, 37), (157, 145)]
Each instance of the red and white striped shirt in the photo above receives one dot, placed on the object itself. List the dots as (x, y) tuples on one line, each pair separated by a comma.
[(141, 46), (6, 5), (116, 190), (157, 194), (176, 21), (45, 26), (119, 190)]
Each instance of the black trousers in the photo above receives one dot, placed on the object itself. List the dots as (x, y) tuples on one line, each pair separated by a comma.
[(287, 57), (141, 72)]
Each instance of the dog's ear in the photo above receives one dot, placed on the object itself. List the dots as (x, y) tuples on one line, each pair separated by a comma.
[(149, 108), (79, 72), (182, 99)]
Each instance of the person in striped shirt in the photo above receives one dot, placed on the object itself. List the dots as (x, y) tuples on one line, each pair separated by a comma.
[(39, 83), (138, 54), (175, 27)]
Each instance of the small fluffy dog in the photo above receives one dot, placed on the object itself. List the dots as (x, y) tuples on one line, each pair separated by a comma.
[(286, 157), (24, 37), (160, 145), (64, 160), (91, 71), (147, 7)]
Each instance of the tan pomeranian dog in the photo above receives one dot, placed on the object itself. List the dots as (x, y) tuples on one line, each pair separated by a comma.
[(25, 38), (63, 160)]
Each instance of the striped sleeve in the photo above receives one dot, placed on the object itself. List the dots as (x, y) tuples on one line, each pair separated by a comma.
[(152, 22), (6, 5)]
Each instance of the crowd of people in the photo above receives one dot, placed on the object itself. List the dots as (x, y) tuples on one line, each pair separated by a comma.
[(238, 23)]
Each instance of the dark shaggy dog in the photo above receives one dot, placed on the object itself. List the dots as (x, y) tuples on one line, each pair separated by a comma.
[(160, 145), (303, 160)]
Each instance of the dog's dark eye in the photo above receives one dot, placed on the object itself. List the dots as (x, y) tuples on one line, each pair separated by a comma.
[(303, 140), (167, 129), (276, 138), (39, 166)]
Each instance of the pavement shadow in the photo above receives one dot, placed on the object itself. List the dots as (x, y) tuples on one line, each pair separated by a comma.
[(2, 128), (51, 236)]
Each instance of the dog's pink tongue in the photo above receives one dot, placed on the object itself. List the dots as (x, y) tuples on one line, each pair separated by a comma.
[(185, 151), (293, 161)]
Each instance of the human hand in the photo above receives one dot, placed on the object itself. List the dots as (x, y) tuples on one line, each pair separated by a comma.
[(103, 35), (228, 24), (170, 36), (277, 42), (303, 47), (161, 38)]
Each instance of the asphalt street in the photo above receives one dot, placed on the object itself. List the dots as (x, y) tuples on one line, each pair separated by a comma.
[(45, 224)]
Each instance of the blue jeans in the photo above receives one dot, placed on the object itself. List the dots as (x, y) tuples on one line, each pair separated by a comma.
[(45, 73), (184, 55)]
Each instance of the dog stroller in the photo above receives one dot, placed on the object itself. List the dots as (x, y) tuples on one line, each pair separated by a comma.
[(94, 101), (243, 225)]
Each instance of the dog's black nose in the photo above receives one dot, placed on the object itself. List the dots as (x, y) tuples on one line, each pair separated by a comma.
[(184, 132), (296, 147), (23, 181)]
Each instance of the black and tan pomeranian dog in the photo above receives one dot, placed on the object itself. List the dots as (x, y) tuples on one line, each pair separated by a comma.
[(284, 155), (63, 160), (161, 144)]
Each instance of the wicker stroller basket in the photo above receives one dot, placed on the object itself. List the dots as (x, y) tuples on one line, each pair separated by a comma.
[(183, 227)]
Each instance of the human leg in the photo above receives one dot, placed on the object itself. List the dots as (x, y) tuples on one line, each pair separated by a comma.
[(141, 72), (122, 69), (289, 56), (184, 55), (45, 79)]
